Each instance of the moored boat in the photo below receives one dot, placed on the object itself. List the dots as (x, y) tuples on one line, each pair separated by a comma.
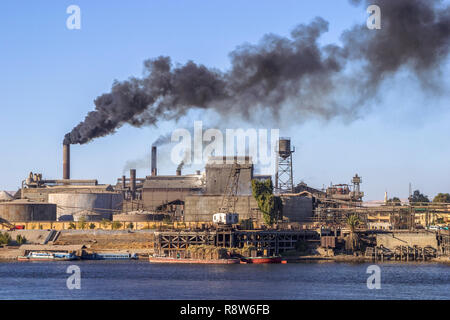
[(48, 256), (260, 260), (110, 256)]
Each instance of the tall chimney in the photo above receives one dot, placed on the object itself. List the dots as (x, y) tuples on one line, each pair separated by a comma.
[(154, 170), (133, 182), (66, 161), (124, 182)]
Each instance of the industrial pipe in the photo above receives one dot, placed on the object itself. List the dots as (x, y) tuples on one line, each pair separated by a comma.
[(69, 181)]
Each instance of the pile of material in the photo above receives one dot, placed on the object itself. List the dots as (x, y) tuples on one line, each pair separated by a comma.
[(5, 196)]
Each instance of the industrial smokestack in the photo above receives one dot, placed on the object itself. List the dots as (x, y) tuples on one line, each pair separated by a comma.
[(66, 161), (178, 172), (133, 182), (154, 170), (124, 182)]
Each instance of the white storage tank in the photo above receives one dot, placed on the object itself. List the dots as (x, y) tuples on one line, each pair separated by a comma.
[(71, 206)]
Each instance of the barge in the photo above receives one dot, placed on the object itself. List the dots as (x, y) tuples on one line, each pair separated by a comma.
[(47, 256), (261, 260), (110, 256)]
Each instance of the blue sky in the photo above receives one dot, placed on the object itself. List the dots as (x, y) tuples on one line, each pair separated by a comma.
[(51, 75)]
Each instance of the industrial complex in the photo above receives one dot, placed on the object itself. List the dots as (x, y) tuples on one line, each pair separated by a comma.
[(181, 209)]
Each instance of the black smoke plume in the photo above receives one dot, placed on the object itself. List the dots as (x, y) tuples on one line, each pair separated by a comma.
[(280, 71)]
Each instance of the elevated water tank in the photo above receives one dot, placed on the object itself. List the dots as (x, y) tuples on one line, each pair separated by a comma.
[(284, 147)]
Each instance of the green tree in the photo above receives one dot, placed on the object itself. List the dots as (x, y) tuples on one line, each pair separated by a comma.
[(394, 201), (105, 223), (116, 225), (442, 198), (418, 197), (353, 222), (92, 226), (130, 225), (82, 223), (270, 205), (20, 239), (72, 226), (5, 238)]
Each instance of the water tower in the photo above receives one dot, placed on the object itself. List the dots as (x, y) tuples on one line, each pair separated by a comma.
[(284, 181)]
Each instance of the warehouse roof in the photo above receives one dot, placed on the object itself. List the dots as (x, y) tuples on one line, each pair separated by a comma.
[(72, 188)]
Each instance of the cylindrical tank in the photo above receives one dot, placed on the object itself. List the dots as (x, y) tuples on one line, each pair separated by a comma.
[(284, 146), (73, 205), (24, 211)]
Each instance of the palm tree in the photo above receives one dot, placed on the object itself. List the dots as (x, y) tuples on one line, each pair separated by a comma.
[(352, 222)]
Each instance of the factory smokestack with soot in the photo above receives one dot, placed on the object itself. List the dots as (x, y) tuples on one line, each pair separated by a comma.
[(133, 183), (66, 161), (153, 161)]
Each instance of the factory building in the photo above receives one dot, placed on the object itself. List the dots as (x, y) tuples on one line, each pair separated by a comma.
[(217, 175), (297, 207), (191, 198), (162, 191), (218, 172), (202, 208)]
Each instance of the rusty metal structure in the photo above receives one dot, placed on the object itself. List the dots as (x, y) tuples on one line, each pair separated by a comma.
[(284, 176)]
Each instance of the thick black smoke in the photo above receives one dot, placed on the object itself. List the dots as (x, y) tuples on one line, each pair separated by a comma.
[(280, 71)]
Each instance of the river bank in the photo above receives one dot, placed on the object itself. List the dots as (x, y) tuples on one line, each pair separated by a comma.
[(8, 254)]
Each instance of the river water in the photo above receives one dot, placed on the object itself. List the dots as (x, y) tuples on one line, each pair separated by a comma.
[(142, 280)]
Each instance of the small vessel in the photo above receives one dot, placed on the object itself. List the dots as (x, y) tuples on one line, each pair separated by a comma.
[(110, 256), (162, 259), (260, 260), (48, 256)]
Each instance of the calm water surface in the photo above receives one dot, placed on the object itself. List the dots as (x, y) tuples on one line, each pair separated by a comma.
[(142, 280)]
